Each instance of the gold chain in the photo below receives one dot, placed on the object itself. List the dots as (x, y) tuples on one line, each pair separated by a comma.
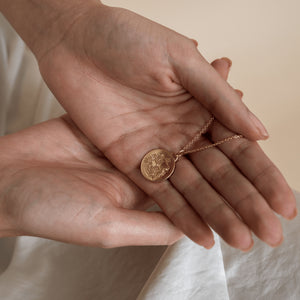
[(187, 148), (158, 165)]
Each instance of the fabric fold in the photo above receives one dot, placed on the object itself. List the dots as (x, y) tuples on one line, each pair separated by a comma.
[(265, 272), (187, 271)]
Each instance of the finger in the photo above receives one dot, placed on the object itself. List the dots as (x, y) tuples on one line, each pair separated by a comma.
[(239, 93), (236, 189), (178, 210), (264, 231), (208, 87), (137, 228), (257, 167), (222, 66), (242, 196), (260, 170), (211, 206), (195, 42), (164, 194)]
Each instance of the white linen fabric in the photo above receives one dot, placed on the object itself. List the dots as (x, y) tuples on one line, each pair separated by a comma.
[(39, 269), (186, 271)]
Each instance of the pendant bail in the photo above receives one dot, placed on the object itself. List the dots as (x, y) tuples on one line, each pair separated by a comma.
[(179, 154)]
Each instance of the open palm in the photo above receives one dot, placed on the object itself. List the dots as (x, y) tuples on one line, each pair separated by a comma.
[(132, 85), (59, 186)]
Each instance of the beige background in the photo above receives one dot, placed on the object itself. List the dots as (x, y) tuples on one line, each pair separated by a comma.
[(262, 37)]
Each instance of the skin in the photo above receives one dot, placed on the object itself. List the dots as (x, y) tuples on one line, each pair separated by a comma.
[(132, 85), (58, 185)]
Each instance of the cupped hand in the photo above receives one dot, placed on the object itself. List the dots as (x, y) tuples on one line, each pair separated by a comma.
[(132, 85), (57, 185), (131, 56)]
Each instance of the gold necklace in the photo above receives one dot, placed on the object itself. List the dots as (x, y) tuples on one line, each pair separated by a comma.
[(159, 164)]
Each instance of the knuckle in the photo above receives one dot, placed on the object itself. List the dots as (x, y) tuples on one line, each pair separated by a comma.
[(160, 190), (178, 212), (215, 212), (220, 173), (229, 227), (269, 171), (250, 196), (195, 186), (241, 149), (213, 103)]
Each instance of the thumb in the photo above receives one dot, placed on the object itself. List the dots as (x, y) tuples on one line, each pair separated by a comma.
[(140, 228), (202, 81)]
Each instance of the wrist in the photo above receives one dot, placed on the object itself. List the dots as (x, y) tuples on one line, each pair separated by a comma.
[(44, 24)]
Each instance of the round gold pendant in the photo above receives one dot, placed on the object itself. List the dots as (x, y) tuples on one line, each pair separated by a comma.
[(158, 165)]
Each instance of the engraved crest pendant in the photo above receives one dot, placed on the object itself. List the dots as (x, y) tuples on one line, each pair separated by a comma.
[(158, 165)]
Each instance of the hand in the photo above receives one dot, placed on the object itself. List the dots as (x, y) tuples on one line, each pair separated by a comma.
[(118, 54), (131, 86), (55, 184)]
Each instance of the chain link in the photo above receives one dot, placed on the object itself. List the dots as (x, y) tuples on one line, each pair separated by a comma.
[(186, 149)]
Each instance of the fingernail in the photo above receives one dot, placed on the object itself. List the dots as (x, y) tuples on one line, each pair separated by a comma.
[(209, 245), (229, 62), (260, 127), (249, 247), (292, 215), (240, 93), (195, 42), (276, 244), (295, 213)]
